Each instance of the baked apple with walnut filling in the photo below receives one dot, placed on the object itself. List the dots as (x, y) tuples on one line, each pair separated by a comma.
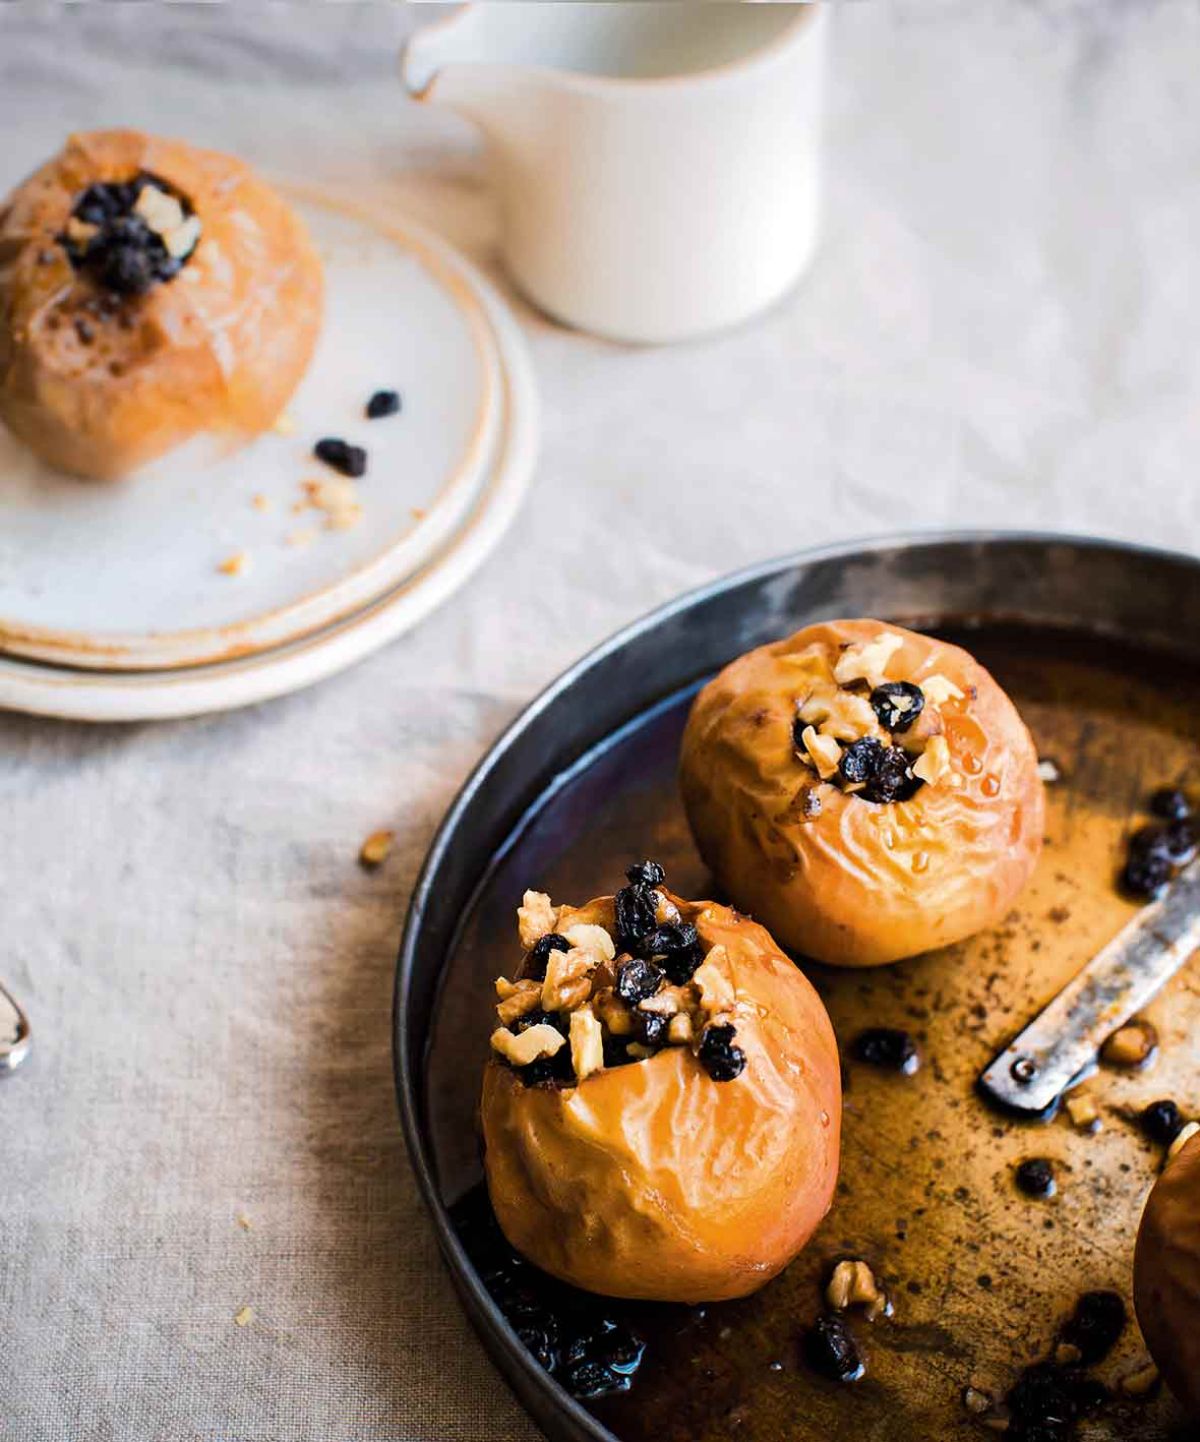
[(864, 791), (1166, 1272), (149, 292), (661, 1111)]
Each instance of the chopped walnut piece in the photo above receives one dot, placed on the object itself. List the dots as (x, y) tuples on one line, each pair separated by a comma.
[(976, 1401), (669, 1000), (1185, 1135), (535, 917), (824, 750), (1067, 1354), (1131, 1045), (374, 850), (939, 689), (1140, 1382), (595, 939), (850, 718), (235, 565), (716, 988), (612, 1011), (244, 1316), (520, 1000), (867, 660), (532, 1044), (853, 1284), (1084, 1112), (680, 1030), (161, 212), (1048, 771), (568, 982), (587, 1043), (934, 762)]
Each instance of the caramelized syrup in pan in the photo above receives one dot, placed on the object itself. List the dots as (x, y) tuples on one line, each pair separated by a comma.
[(981, 1275)]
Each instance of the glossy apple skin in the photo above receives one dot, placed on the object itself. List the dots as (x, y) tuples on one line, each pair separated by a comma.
[(652, 1180), (861, 884)]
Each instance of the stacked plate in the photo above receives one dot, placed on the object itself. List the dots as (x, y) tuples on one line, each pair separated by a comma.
[(210, 581)]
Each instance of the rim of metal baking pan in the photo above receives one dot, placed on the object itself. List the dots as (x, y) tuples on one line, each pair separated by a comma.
[(453, 870)]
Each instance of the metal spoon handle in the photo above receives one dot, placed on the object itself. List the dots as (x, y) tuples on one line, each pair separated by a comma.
[(15, 1036), (1037, 1067)]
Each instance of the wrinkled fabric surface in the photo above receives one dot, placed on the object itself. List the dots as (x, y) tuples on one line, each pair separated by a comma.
[(1000, 329)]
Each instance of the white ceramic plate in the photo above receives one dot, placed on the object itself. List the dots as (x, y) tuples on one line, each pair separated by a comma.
[(126, 575), (89, 695)]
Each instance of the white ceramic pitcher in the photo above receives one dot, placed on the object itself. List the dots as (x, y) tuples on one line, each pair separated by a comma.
[(656, 163)]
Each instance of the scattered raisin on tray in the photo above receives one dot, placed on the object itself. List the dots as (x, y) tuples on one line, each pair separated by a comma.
[(1096, 1326), (1035, 1177), (1171, 804), (1161, 1121), (580, 1339), (889, 1048), (830, 1348)]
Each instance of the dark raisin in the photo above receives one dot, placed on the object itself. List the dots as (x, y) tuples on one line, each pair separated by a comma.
[(1180, 842), (897, 704), (614, 1051), (125, 269), (342, 456), (650, 1027), (635, 910), (539, 1339), (718, 1056), (860, 760), (677, 946), (587, 1378), (645, 873), (638, 979), (892, 779), (831, 1350), (534, 968), (1161, 1121), (1096, 1326), (888, 1047), (1035, 1177), (1171, 804), (97, 204), (383, 403), (1145, 875), (1048, 1400), (1148, 841), (601, 1360), (549, 1069), (537, 1017)]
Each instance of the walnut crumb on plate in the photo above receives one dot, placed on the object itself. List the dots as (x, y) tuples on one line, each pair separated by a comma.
[(236, 564), (374, 850)]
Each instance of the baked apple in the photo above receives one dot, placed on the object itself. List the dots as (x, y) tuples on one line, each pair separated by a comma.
[(1166, 1274), (865, 792), (662, 1107), (149, 292)]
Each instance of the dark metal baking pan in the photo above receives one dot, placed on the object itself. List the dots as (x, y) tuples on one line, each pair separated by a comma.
[(1100, 644)]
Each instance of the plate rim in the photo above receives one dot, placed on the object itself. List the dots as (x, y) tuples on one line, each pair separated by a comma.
[(544, 1398), (459, 492), (34, 687)]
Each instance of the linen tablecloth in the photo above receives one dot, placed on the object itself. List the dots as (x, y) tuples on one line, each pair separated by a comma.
[(1000, 329)]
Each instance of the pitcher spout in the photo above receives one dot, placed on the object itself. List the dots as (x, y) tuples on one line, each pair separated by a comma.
[(455, 62)]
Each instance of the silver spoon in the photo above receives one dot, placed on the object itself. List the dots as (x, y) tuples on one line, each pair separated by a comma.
[(15, 1036)]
